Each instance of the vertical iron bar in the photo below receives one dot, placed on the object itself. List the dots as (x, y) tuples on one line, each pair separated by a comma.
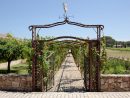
[(90, 66), (33, 59), (85, 73), (97, 34), (53, 70), (98, 85), (99, 74)]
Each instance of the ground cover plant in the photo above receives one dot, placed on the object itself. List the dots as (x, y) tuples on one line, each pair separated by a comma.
[(116, 66), (21, 69), (116, 61)]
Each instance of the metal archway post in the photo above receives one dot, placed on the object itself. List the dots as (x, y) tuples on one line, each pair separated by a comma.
[(66, 21), (34, 59)]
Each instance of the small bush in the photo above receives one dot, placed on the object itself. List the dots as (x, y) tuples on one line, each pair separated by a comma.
[(116, 66)]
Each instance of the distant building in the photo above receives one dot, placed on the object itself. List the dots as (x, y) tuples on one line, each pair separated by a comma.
[(118, 46)]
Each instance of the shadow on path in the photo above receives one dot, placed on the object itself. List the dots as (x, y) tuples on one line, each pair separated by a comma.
[(68, 78)]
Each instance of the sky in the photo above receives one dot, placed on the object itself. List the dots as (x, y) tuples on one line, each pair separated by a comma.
[(17, 15)]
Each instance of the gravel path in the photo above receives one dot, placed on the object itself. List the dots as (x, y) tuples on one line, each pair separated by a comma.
[(68, 78)]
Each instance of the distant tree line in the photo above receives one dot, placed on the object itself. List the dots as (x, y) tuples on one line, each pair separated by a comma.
[(110, 42)]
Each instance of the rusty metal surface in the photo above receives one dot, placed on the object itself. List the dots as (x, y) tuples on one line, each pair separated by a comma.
[(99, 28), (66, 21), (90, 66)]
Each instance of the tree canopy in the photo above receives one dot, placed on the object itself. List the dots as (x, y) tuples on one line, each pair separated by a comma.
[(11, 49)]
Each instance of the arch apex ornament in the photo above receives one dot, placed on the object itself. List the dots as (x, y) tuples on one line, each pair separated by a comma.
[(65, 7)]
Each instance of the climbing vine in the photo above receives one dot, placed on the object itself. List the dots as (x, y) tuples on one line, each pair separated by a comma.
[(79, 52), (49, 60)]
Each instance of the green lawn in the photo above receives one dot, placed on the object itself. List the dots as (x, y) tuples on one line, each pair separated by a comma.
[(119, 53), (18, 69), (21, 68), (121, 49)]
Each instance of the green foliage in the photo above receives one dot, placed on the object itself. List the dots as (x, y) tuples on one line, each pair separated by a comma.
[(113, 65), (79, 52), (121, 49), (21, 69), (12, 49), (27, 51), (49, 59), (103, 56), (128, 43), (26, 48), (117, 66), (109, 41)]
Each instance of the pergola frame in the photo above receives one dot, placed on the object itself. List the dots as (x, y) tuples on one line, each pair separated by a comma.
[(98, 28)]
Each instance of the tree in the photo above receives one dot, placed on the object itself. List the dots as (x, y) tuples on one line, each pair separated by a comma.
[(109, 41), (27, 53), (128, 43), (10, 49)]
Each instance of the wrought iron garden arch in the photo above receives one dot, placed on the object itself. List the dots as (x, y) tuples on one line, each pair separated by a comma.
[(89, 84)]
